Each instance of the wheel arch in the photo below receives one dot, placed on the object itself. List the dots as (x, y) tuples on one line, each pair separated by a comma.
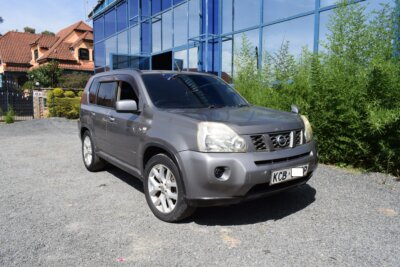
[(153, 149)]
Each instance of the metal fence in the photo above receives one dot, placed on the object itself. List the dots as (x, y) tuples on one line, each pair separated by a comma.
[(20, 102)]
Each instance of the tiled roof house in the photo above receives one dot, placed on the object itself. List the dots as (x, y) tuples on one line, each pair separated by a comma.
[(72, 47)]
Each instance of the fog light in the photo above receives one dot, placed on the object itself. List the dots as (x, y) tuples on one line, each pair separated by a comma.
[(219, 171)]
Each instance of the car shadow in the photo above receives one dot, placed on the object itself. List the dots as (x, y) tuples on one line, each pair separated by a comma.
[(126, 177), (274, 207)]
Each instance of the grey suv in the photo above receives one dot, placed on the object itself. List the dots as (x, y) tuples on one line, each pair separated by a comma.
[(192, 139)]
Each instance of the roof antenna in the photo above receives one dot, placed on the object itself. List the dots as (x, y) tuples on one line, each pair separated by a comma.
[(177, 66)]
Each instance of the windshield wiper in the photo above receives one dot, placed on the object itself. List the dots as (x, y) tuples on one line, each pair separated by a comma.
[(243, 105), (215, 106)]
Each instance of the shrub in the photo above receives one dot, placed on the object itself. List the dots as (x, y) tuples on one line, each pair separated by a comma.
[(50, 95), (9, 118), (66, 107), (69, 94), (27, 85), (58, 92), (80, 93)]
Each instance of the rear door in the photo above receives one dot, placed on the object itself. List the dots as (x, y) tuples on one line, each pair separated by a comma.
[(126, 128), (105, 103)]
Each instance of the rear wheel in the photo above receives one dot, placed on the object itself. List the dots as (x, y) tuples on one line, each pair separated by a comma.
[(92, 162), (164, 190)]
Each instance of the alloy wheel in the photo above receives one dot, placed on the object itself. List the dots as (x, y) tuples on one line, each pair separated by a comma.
[(162, 188)]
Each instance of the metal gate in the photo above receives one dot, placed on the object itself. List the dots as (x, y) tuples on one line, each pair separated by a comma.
[(16, 99)]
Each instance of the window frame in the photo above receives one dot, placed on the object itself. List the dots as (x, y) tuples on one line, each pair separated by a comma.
[(95, 84), (80, 55), (36, 54), (114, 94), (135, 91)]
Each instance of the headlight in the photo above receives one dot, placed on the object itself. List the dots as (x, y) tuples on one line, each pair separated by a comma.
[(218, 137), (308, 133)]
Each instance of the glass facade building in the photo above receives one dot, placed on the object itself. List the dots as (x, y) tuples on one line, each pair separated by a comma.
[(203, 35)]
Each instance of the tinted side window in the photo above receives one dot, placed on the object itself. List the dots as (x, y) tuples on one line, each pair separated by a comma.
[(106, 94), (127, 92), (92, 91)]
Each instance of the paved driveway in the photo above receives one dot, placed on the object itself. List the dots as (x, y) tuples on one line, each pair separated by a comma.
[(55, 213)]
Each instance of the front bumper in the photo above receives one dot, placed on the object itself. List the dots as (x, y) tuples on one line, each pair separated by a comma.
[(249, 174)]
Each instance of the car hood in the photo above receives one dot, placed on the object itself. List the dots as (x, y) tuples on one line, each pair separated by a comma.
[(246, 120)]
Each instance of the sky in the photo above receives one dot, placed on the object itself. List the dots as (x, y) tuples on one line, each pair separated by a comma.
[(52, 15)]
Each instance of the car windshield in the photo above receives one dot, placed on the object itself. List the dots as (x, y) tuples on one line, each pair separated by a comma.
[(180, 91)]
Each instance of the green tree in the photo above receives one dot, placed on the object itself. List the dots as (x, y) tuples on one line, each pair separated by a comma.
[(47, 75), (46, 32), (29, 29), (74, 80)]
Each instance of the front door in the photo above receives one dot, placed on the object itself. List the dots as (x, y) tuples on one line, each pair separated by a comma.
[(123, 131)]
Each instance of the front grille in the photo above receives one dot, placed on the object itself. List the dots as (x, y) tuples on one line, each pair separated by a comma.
[(258, 142), (298, 137), (279, 160), (281, 140), (277, 141)]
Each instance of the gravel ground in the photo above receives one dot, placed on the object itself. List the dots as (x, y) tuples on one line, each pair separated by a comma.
[(55, 213)]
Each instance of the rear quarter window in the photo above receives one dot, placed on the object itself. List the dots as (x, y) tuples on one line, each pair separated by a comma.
[(92, 92)]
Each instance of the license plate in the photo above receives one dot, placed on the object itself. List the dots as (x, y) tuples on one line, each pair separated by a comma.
[(285, 175)]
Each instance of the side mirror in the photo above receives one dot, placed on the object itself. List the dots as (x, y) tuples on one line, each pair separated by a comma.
[(295, 109), (126, 106)]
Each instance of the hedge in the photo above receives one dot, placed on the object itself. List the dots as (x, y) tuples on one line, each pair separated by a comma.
[(350, 91), (63, 104)]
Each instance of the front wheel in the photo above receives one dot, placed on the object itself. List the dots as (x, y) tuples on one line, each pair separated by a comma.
[(164, 190)]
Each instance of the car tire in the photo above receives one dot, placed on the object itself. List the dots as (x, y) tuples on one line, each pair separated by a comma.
[(163, 189), (92, 162)]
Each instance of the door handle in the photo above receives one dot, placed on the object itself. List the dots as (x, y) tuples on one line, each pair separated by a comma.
[(111, 118), (93, 113)]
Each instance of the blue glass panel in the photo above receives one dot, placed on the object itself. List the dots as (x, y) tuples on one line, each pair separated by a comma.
[(99, 55), (155, 6), (180, 25), (246, 14), (135, 40), (177, 1), (279, 9), (227, 60), (166, 4), (109, 23), (98, 29), (328, 2), (323, 29), (133, 8), (193, 59), (122, 16), (145, 44), (166, 30), (123, 43), (194, 18), (227, 16), (377, 4), (111, 48), (156, 34), (180, 59), (298, 32), (145, 5), (120, 62)]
